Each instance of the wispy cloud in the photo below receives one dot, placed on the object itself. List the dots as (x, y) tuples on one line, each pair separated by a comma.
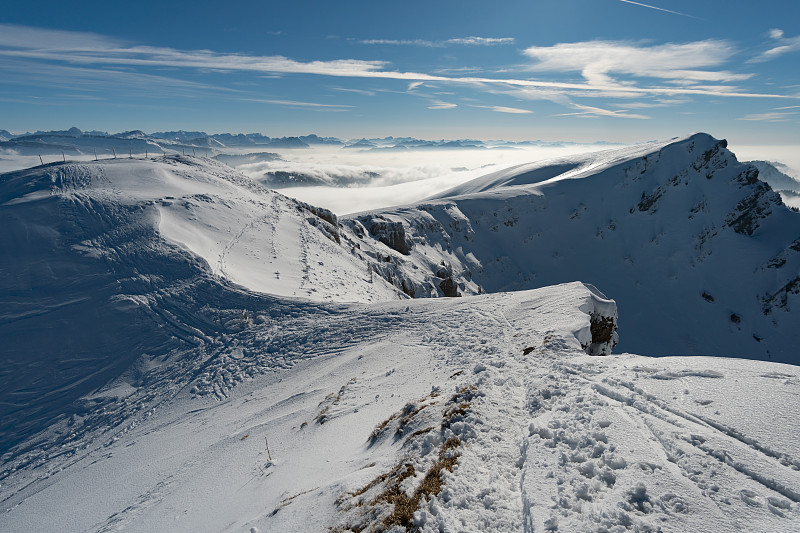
[(481, 41), (466, 41), (85, 48), (785, 46), (673, 70), (408, 42), (458, 70), (770, 117), (24, 37), (597, 61), (777, 114), (662, 102), (600, 112), (357, 91), (294, 103), (504, 109), (658, 8), (442, 105), (100, 79)]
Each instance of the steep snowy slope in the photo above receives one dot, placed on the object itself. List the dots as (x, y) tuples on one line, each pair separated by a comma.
[(702, 255), (467, 414), (105, 264)]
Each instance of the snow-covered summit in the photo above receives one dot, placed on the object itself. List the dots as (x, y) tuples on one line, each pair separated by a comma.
[(681, 232)]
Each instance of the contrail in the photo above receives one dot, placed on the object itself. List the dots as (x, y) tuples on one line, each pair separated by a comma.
[(658, 8)]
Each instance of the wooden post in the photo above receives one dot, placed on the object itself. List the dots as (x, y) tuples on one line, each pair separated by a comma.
[(194, 153), (267, 445), (115, 152), (40, 160), (95, 154), (130, 152), (63, 157)]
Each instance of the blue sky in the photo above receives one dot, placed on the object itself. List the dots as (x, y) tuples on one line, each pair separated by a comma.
[(579, 70)]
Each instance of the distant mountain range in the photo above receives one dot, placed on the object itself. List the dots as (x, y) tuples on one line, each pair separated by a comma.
[(74, 142)]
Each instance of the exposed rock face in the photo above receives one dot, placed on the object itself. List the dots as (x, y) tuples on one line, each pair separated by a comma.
[(388, 232), (602, 329), (601, 336), (447, 285), (755, 207), (324, 220), (325, 214)]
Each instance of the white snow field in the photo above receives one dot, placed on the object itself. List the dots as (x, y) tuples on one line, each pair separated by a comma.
[(186, 350)]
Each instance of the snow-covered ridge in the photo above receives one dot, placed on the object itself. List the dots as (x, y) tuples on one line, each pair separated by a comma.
[(681, 232)]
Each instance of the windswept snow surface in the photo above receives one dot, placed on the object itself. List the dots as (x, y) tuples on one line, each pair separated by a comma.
[(186, 350), (105, 268), (542, 436)]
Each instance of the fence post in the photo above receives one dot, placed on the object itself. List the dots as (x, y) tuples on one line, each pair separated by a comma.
[(40, 160), (115, 152)]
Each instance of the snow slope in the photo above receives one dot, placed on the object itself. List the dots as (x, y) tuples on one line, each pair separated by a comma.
[(186, 350), (539, 435), (705, 253), (105, 263)]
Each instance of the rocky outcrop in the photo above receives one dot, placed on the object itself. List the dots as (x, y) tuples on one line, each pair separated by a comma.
[(448, 287), (389, 232), (324, 220), (756, 206)]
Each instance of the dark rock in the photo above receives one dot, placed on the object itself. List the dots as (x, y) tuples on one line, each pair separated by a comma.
[(756, 206), (602, 329), (392, 234), (449, 288), (648, 202), (324, 220)]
